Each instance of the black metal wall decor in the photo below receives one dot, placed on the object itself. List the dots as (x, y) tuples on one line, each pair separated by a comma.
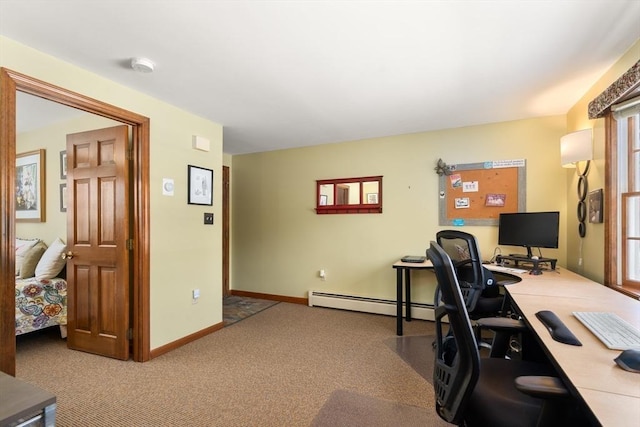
[(583, 188)]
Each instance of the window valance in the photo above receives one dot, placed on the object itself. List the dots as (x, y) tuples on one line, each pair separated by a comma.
[(622, 88)]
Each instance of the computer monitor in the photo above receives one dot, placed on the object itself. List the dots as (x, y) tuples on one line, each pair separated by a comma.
[(529, 229)]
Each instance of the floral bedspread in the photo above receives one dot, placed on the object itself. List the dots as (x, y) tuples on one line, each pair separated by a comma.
[(40, 304)]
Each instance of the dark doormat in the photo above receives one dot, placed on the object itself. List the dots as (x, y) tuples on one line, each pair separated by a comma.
[(235, 308)]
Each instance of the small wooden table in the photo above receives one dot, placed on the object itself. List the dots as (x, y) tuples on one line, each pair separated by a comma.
[(21, 401), (405, 267)]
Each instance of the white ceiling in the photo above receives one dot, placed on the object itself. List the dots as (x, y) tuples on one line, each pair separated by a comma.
[(280, 74)]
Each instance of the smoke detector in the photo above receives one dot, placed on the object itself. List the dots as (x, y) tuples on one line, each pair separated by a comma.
[(142, 65)]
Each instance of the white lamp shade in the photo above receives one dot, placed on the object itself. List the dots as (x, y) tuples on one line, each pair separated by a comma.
[(576, 147)]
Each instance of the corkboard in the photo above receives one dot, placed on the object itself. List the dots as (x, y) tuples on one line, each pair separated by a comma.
[(477, 193)]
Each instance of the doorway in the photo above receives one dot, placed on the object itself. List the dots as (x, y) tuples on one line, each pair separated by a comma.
[(225, 232), (10, 83), (342, 194)]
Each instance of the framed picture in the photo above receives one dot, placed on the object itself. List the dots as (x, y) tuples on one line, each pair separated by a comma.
[(372, 198), (595, 206), (63, 164), (200, 181), (30, 186), (323, 200), (63, 197)]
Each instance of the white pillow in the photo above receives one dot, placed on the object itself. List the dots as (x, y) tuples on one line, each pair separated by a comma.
[(22, 247), (51, 263)]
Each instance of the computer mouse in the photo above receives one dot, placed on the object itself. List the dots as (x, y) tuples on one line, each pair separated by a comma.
[(629, 360), (535, 257)]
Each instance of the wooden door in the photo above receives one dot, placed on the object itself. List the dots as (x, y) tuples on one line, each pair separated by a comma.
[(225, 232), (98, 227)]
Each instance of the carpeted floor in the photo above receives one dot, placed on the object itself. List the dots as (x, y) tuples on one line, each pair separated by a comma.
[(235, 308), (289, 365)]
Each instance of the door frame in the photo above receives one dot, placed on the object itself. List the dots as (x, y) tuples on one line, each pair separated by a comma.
[(225, 231), (10, 83)]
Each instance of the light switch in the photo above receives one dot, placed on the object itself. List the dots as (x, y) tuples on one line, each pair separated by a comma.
[(208, 218)]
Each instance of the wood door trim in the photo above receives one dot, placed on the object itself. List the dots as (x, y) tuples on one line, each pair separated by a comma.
[(7, 223), (10, 82), (225, 231)]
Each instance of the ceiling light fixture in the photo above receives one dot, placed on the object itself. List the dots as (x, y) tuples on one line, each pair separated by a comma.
[(142, 65)]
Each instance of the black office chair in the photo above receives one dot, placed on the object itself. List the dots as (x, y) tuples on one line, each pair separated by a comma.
[(471, 391), (481, 293), (479, 289)]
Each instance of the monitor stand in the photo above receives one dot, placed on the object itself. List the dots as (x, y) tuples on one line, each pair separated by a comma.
[(520, 258)]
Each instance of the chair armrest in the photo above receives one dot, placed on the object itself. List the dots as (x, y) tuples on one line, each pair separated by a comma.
[(501, 324), (542, 387)]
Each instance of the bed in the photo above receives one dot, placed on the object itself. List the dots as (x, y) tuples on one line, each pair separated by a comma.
[(41, 303), (40, 286)]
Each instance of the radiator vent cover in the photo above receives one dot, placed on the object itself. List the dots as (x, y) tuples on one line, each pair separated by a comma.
[(368, 304)]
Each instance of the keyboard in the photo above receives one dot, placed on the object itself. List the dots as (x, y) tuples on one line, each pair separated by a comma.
[(494, 267), (613, 331)]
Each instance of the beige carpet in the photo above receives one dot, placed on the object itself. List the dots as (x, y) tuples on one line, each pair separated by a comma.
[(278, 367)]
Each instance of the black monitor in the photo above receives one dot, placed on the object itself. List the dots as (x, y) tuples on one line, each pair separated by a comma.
[(529, 229)]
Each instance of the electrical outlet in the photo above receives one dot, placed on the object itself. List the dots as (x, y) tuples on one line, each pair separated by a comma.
[(208, 218), (322, 274)]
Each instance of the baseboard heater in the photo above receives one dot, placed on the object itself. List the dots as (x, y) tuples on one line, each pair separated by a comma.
[(368, 305)]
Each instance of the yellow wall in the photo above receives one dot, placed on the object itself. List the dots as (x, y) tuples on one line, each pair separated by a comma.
[(279, 243), (591, 248), (185, 254)]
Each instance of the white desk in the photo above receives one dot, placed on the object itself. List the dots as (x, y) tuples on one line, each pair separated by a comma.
[(611, 393)]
